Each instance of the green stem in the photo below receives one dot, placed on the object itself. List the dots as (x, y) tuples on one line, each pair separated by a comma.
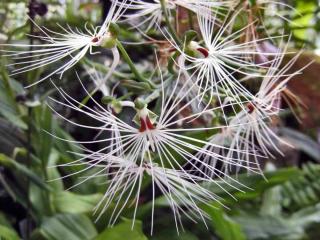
[(133, 68), (103, 68), (166, 17)]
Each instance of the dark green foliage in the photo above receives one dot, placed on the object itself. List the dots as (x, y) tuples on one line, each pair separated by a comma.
[(304, 190)]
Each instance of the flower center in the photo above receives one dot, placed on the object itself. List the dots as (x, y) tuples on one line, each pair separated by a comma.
[(145, 124), (95, 39), (250, 108), (196, 47), (203, 51)]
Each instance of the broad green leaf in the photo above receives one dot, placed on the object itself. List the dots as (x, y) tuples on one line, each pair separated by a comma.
[(6, 230), (304, 190), (40, 200), (53, 174), (8, 105), (8, 233), (258, 227), (301, 22), (302, 142), (172, 234), (14, 165), (281, 227), (69, 202), (224, 226), (122, 231), (11, 137), (42, 139), (255, 184), (271, 198), (3, 220), (12, 117), (65, 147), (69, 227), (306, 216)]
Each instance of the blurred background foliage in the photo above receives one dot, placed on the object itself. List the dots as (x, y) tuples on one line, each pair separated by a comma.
[(36, 202)]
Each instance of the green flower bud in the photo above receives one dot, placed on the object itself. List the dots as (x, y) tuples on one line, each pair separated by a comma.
[(116, 106), (139, 104), (114, 29), (109, 40)]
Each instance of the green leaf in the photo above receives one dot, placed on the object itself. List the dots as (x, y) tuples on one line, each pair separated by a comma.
[(53, 174), (172, 234), (40, 201), (302, 142), (224, 226), (272, 197), (6, 230), (65, 148), (304, 20), (3, 220), (305, 217), (8, 105), (14, 165), (11, 137), (255, 184), (68, 226), (8, 234), (136, 87), (303, 190), (12, 117), (258, 227), (69, 202), (42, 139), (122, 231)]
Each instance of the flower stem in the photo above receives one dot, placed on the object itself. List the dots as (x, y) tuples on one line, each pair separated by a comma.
[(133, 68), (166, 17)]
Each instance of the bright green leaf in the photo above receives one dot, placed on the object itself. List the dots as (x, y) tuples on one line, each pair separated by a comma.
[(8, 234), (69, 202), (69, 227), (123, 231), (224, 226)]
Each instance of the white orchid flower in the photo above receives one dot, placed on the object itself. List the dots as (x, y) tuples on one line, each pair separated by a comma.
[(264, 107), (150, 14), (158, 142), (68, 44), (214, 63)]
